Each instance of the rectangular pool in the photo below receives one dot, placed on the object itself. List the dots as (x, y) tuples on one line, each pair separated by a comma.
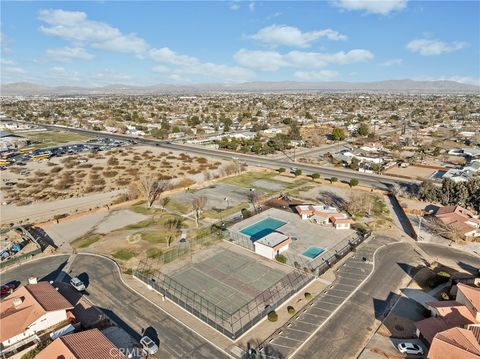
[(313, 252), (262, 228)]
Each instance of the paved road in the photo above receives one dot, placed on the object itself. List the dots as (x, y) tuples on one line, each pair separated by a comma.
[(43, 268), (349, 277), (348, 330), (133, 313), (373, 180), (441, 251)]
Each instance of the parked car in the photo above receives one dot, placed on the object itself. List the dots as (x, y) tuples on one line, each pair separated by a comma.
[(77, 284), (7, 288), (149, 345), (410, 348)]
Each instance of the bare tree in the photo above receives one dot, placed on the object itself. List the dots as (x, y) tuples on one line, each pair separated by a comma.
[(254, 197), (172, 226), (165, 201), (198, 204), (152, 188)]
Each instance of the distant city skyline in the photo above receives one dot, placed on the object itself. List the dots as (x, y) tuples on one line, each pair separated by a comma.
[(145, 43)]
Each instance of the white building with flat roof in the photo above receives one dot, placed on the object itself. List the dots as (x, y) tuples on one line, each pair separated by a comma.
[(272, 244)]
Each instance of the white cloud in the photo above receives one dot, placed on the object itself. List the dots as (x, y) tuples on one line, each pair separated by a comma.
[(251, 6), (272, 60), (57, 70), (382, 7), (67, 54), (392, 62), (76, 27), (6, 62), (234, 6), (161, 69), (192, 66), (13, 70), (429, 47), (291, 36), (111, 76), (322, 75)]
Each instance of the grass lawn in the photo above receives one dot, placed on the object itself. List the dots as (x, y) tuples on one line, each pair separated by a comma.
[(154, 237), (153, 252), (124, 254), (179, 207), (53, 138), (87, 241), (227, 212), (246, 179), (142, 224)]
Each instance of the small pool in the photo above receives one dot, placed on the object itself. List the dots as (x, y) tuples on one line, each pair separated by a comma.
[(262, 228), (313, 252)]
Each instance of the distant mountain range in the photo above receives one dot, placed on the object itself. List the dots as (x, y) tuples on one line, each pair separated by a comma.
[(391, 86)]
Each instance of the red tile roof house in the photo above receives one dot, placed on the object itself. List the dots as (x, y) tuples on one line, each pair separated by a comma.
[(447, 317), (461, 219), (90, 344), (324, 214), (455, 343), (32, 311)]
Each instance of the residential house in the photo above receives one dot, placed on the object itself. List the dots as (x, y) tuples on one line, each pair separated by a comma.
[(31, 311), (324, 215), (88, 344), (461, 219), (272, 245), (455, 343), (470, 297)]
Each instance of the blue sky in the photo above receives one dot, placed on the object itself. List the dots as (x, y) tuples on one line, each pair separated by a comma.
[(144, 43)]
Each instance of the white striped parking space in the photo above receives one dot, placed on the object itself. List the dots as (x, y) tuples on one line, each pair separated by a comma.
[(339, 292), (298, 330), (351, 274)]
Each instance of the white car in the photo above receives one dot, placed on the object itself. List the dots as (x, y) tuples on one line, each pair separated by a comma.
[(149, 345), (77, 284), (410, 348)]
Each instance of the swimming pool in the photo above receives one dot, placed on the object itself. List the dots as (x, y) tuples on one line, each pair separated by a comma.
[(262, 228), (313, 252)]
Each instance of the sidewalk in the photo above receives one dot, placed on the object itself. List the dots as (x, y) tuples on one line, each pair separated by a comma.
[(261, 330)]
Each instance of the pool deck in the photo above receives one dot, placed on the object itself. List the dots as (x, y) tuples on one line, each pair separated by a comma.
[(309, 234)]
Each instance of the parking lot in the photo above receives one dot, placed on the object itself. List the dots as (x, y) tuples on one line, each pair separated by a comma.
[(348, 277)]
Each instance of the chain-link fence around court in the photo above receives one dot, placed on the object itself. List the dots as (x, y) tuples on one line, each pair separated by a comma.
[(232, 324)]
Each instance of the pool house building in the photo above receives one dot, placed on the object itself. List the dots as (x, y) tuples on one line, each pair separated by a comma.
[(272, 245)]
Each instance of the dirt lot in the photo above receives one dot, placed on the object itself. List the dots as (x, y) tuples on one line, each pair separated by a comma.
[(412, 172), (75, 176)]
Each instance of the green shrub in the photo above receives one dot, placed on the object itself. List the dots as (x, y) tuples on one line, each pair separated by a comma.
[(281, 170), (354, 182), (308, 296), (291, 310), (333, 179), (272, 316), (315, 176), (281, 258), (297, 172)]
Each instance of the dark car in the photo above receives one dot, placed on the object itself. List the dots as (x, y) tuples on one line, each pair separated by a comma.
[(8, 288)]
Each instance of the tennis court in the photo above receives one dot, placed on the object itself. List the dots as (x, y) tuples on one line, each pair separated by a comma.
[(227, 279)]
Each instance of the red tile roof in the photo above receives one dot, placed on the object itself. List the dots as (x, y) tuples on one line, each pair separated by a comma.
[(455, 343), (90, 344)]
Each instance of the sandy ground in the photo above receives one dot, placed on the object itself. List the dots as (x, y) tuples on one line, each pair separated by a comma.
[(78, 175), (100, 222), (42, 211), (411, 171)]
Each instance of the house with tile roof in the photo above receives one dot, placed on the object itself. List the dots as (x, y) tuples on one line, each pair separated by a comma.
[(455, 343), (31, 311), (461, 219), (470, 297), (89, 344), (324, 215)]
